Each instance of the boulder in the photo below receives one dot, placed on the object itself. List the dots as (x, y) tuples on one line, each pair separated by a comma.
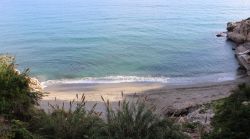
[(239, 32), (236, 37)]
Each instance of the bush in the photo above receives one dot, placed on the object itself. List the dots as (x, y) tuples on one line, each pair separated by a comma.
[(16, 98), (19, 130), (136, 120), (130, 121), (68, 124), (232, 116)]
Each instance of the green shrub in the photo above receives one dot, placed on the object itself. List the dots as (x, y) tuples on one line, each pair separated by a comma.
[(68, 124), (19, 131), (16, 98), (136, 120), (232, 116), (130, 121)]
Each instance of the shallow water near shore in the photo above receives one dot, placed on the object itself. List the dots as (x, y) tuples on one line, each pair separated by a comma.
[(121, 41)]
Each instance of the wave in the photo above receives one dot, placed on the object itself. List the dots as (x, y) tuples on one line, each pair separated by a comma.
[(129, 79), (108, 79)]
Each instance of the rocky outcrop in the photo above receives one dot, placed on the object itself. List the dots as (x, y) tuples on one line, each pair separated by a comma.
[(35, 85), (239, 32), (236, 37)]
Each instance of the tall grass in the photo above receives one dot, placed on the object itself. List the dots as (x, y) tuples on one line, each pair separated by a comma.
[(137, 120), (130, 120)]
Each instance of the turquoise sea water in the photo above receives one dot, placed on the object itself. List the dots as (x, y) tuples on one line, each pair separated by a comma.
[(121, 40)]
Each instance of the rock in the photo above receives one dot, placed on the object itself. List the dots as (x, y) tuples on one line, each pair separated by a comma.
[(221, 34), (239, 32), (180, 112), (236, 37), (231, 26), (176, 112), (201, 115), (35, 85)]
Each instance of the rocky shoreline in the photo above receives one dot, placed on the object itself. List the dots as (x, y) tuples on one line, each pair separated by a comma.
[(239, 33)]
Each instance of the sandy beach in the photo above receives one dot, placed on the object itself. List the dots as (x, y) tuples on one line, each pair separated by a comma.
[(161, 95)]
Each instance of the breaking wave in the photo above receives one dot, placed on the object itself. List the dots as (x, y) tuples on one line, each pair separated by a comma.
[(130, 79)]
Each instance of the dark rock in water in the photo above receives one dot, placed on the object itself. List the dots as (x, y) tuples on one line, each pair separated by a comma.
[(233, 48), (219, 35)]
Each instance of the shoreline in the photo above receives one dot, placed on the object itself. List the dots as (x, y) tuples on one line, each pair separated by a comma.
[(159, 94)]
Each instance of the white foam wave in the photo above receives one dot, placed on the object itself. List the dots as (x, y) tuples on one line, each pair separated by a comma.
[(128, 79), (108, 79)]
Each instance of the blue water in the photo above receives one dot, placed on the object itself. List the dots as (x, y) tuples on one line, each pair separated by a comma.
[(121, 39)]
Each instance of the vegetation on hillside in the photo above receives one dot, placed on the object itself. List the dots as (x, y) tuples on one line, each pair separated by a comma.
[(16, 98), (232, 116)]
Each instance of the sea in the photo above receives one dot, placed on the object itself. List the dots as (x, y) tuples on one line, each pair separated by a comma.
[(114, 41)]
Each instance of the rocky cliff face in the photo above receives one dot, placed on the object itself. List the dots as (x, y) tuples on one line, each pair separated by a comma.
[(239, 32)]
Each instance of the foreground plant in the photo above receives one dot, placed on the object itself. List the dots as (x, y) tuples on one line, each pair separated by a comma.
[(73, 123), (16, 97), (137, 120), (17, 100)]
